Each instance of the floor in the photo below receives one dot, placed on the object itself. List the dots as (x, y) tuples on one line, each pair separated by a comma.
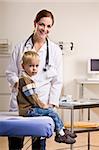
[(81, 143)]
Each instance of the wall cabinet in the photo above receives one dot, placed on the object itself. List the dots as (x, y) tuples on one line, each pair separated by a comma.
[(4, 87)]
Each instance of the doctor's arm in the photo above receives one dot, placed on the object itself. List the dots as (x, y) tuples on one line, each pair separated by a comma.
[(12, 73)]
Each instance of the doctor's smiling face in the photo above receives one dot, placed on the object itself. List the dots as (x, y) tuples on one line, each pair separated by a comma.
[(43, 23), (42, 28)]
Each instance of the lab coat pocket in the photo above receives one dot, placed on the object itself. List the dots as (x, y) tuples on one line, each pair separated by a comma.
[(51, 72)]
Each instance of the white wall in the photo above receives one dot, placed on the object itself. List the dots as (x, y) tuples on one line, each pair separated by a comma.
[(76, 22)]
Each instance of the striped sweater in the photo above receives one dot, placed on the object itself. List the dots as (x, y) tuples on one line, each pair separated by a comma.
[(27, 97)]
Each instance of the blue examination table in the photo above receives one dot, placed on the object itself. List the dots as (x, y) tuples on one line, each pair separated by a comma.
[(13, 125)]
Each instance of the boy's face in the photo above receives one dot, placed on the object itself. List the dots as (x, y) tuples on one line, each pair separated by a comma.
[(31, 68)]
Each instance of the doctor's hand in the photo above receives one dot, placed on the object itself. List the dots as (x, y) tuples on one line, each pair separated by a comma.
[(15, 87)]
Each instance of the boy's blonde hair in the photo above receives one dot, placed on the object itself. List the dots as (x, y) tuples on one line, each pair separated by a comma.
[(27, 56)]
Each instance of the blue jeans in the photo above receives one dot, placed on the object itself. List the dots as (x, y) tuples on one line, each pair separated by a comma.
[(33, 112)]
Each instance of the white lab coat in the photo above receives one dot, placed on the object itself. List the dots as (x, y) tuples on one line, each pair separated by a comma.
[(49, 83)]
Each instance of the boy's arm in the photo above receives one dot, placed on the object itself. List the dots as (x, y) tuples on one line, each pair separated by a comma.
[(37, 101)]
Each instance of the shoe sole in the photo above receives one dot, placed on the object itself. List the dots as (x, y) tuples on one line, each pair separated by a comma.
[(65, 142)]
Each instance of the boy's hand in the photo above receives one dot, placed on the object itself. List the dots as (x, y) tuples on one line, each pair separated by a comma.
[(45, 106)]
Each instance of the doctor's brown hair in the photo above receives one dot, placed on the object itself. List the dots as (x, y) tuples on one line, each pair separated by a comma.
[(44, 13)]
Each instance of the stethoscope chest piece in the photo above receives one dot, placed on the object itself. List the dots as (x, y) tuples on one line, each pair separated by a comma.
[(46, 68)]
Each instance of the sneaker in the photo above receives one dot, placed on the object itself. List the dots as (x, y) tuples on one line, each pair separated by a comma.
[(67, 132), (64, 139)]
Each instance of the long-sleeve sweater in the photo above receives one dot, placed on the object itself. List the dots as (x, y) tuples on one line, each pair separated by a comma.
[(27, 97)]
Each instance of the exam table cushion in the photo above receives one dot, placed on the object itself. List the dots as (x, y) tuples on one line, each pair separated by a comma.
[(13, 125)]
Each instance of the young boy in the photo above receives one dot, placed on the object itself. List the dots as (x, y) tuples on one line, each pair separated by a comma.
[(29, 103)]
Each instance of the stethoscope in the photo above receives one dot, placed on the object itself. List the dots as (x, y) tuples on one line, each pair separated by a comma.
[(47, 52)]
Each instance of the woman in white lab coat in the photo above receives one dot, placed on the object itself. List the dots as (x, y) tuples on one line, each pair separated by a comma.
[(49, 78)]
